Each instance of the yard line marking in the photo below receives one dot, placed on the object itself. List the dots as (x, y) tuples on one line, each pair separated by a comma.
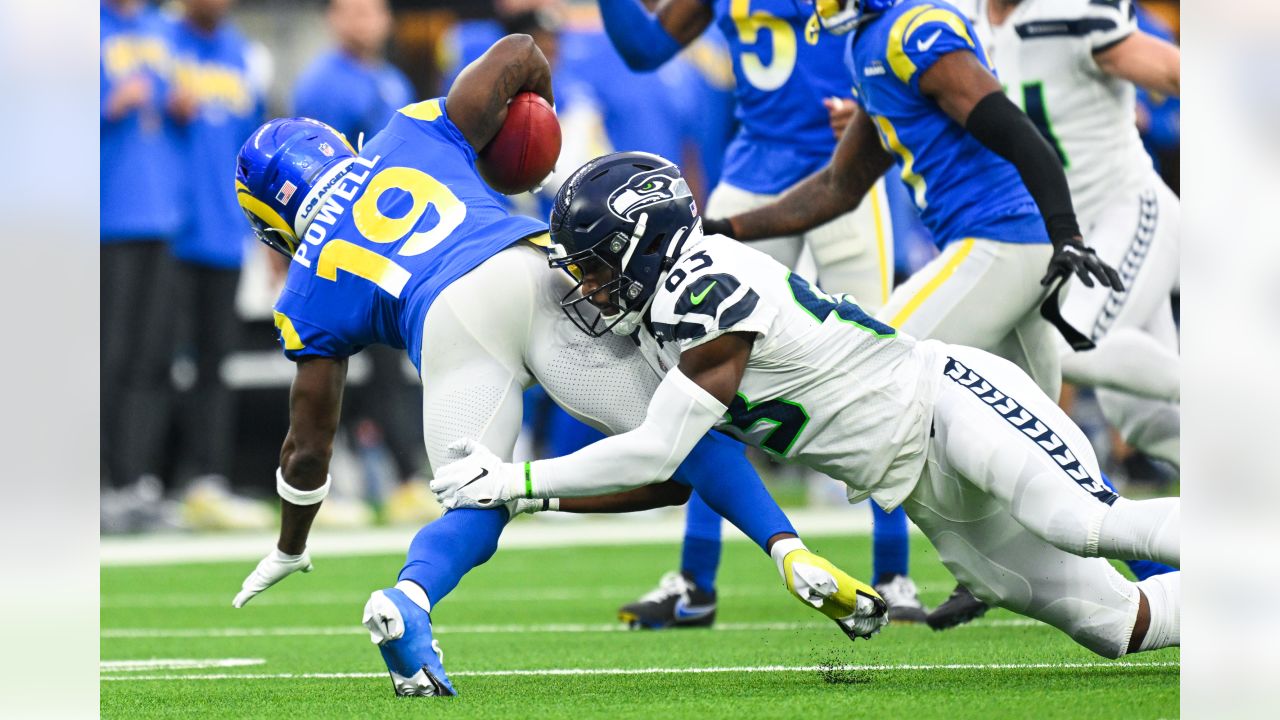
[(176, 664), (135, 633), (665, 670)]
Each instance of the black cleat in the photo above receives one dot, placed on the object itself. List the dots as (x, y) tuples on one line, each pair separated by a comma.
[(899, 593), (958, 609), (676, 602)]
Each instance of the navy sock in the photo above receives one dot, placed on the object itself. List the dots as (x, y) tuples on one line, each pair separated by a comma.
[(1141, 569), (700, 556), (890, 545), (447, 548), (719, 471)]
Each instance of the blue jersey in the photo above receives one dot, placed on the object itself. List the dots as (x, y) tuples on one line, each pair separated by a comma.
[(137, 196), (215, 69), (961, 188), (352, 96), (410, 217), (784, 67)]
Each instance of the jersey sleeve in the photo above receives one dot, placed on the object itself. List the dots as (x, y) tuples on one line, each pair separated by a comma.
[(431, 117), (1107, 22), (707, 306), (301, 339), (922, 35)]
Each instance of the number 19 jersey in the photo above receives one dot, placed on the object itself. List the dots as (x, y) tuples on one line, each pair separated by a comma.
[(825, 385), (410, 216)]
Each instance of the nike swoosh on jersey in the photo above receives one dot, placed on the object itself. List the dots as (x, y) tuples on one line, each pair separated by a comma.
[(924, 45), (697, 298), (685, 611)]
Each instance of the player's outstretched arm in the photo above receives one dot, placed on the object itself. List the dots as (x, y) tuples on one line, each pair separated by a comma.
[(690, 400), (858, 161), (970, 95), (315, 401), (477, 102), (1144, 60), (645, 39)]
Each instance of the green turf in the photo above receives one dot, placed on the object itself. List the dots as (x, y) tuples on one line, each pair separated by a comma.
[(583, 587)]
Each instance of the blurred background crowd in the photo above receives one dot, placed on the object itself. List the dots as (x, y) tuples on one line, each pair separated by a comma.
[(194, 387)]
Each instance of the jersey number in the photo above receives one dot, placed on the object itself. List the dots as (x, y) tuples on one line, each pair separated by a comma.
[(788, 419), (820, 305), (1033, 104), (764, 76), (392, 205)]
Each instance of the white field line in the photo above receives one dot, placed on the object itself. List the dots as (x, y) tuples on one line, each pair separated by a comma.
[(148, 633), (176, 664), (664, 671)]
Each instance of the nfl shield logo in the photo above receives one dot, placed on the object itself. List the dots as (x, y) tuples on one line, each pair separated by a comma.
[(286, 191), (326, 149)]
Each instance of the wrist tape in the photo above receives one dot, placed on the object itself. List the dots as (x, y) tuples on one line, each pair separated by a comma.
[(295, 496)]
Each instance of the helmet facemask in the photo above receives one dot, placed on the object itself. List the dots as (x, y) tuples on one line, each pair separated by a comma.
[(624, 292)]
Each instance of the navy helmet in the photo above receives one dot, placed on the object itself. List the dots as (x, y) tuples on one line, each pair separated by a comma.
[(280, 170), (841, 16), (630, 212)]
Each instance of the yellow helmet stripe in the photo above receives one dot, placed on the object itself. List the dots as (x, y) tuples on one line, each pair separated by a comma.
[(262, 211)]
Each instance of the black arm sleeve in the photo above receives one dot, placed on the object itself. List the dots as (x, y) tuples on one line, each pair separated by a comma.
[(998, 124)]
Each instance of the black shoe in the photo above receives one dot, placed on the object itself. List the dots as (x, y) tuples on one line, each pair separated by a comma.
[(676, 602), (958, 609), (899, 593)]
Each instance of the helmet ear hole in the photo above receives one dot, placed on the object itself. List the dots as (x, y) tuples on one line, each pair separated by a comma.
[(656, 245)]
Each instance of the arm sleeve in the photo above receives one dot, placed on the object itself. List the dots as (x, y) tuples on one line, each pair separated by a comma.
[(680, 413), (637, 34), (1107, 22), (1007, 131)]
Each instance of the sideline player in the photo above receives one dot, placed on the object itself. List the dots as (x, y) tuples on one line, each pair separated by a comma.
[(1072, 65), (790, 87), (994, 472), (987, 185), (403, 245)]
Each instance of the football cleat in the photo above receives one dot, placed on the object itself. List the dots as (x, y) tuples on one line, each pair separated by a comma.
[(958, 609), (676, 602), (856, 607), (402, 631), (899, 593)]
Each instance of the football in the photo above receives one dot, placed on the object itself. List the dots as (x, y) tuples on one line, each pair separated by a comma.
[(524, 151)]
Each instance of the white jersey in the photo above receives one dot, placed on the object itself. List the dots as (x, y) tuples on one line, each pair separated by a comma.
[(1044, 56), (826, 384)]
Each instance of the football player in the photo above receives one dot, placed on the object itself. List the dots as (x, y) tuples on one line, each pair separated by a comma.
[(991, 469), (402, 244), (790, 89), (1073, 65), (987, 185)]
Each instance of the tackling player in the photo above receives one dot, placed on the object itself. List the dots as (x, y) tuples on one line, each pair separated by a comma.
[(790, 87), (996, 475), (987, 185), (402, 244)]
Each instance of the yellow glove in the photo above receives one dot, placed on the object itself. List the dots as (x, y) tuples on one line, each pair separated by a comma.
[(855, 606)]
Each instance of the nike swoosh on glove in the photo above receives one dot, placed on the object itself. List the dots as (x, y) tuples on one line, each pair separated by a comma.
[(479, 480), (1074, 257), (271, 569)]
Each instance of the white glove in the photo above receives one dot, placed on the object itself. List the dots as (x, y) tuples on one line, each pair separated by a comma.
[(478, 480), (272, 569), (519, 506)]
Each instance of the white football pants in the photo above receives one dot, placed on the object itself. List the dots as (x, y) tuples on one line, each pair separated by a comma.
[(983, 294), (1136, 366), (1012, 499), (853, 253), (498, 330)]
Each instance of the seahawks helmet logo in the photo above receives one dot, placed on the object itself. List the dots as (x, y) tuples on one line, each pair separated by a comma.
[(645, 189)]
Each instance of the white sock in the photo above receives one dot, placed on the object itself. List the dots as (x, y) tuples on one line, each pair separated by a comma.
[(1164, 597), (783, 548), (1142, 530), (414, 592)]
